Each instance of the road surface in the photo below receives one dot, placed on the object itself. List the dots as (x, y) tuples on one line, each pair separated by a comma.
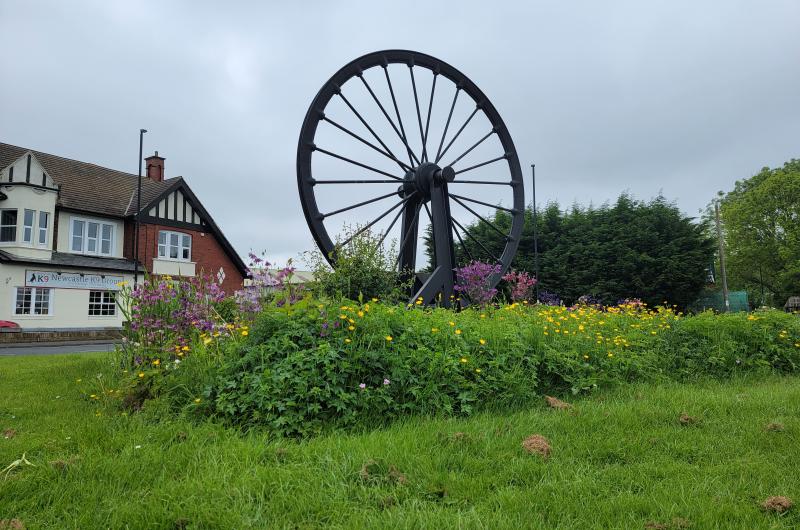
[(50, 348)]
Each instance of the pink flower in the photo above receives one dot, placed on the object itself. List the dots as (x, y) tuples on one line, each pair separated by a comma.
[(386, 382), (362, 386)]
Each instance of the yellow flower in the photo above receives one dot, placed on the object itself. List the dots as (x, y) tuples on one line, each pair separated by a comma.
[(78, 380), (141, 374), (245, 333), (93, 396), (351, 328), (156, 362), (585, 356), (321, 306), (185, 348), (483, 315), (347, 341), (206, 341), (458, 332), (361, 313), (343, 317), (344, 308), (452, 323), (388, 338), (463, 359), (580, 327), (610, 354), (477, 370), (433, 330), (351, 320), (197, 400), (482, 341), (374, 299), (418, 302)]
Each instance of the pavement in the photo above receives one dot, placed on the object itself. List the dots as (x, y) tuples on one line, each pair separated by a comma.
[(51, 348)]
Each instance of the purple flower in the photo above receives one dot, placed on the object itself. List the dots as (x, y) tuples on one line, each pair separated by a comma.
[(475, 281), (386, 382), (362, 386)]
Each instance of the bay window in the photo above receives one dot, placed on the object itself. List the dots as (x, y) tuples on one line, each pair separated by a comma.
[(174, 246), (91, 237)]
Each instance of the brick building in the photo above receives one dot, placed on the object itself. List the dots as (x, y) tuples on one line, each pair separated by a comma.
[(67, 231)]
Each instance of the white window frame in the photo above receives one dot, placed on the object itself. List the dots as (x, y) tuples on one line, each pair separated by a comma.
[(34, 290), (167, 246), (85, 236), (28, 229), (42, 230), (16, 225), (103, 304)]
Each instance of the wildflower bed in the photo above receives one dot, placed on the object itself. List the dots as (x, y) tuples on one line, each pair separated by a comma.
[(299, 365)]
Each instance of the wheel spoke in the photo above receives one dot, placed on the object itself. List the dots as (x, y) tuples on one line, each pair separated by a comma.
[(476, 166), (482, 182), (474, 112), (419, 116), (476, 144), (447, 125), (411, 155), (383, 110), (486, 250), (358, 205), (479, 216), (403, 166), (340, 157), (463, 245), (509, 210), (354, 182), (368, 226), (428, 120)]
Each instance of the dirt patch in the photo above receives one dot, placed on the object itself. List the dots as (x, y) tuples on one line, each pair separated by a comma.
[(133, 401), (685, 419), (181, 436), (9, 433), (652, 525), (63, 465), (537, 444), (11, 524), (777, 504), (775, 427), (376, 471), (555, 403), (181, 524)]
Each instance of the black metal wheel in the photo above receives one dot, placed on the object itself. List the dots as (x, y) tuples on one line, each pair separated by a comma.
[(398, 135)]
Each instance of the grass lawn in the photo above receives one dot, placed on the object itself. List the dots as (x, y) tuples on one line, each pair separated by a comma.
[(619, 460)]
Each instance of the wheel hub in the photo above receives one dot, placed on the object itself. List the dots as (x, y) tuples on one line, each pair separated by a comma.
[(423, 177)]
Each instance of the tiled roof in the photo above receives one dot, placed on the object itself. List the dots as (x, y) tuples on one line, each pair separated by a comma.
[(78, 261), (89, 187)]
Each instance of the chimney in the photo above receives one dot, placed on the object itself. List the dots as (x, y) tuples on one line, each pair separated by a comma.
[(155, 167)]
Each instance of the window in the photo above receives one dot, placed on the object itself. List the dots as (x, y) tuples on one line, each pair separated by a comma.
[(102, 303), (27, 226), (44, 218), (91, 237), (174, 245), (8, 225), (33, 301)]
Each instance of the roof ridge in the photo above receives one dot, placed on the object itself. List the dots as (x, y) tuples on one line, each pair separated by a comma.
[(71, 160)]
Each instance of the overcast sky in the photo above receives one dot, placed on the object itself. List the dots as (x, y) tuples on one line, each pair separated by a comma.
[(677, 97)]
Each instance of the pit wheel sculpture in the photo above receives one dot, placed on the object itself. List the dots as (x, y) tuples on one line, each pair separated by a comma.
[(371, 138)]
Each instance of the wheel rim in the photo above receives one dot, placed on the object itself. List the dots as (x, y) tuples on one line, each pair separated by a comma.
[(411, 157)]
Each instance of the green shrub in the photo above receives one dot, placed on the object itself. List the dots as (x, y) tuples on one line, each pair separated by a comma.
[(364, 269)]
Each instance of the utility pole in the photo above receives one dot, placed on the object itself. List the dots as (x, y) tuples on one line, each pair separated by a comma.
[(535, 233), (138, 208), (722, 260)]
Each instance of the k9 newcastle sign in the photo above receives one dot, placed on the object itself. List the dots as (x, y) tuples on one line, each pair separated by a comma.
[(72, 280)]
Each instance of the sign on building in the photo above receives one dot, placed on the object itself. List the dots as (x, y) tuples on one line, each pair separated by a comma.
[(72, 280)]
